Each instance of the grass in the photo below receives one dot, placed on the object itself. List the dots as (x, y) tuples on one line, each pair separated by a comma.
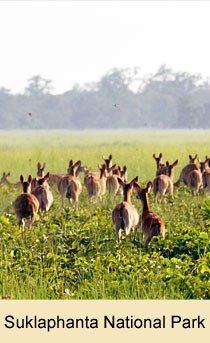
[(73, 255)]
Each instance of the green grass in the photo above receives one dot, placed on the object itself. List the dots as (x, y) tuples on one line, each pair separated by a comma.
[(73, 255)]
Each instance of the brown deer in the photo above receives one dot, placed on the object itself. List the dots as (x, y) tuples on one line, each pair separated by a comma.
[(4, 181), (26, 204), (96, 186), (40, 169), (163, 169), (158, 160), (163, 184), (108, 161), (43, 194), (152, 225), (40, 175), (187, 170), (208, 161), (125, 216), (112, 183), (96, 174), (70, 186), (195, 181), (124, 174), (54, 179), (78, 170), (205, 170)]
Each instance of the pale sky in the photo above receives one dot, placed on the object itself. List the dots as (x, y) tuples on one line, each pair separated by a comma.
[(72, 42)]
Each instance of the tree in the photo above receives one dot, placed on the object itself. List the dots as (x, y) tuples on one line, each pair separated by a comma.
[(38, 86)]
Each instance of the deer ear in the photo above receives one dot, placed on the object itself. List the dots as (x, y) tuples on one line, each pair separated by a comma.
[(4, 174), (29, 178), (21, 179), (134, 180), (149, 186), (160, 155), (154, 156), (46, 177), (136, 186), (190, 157), (112, 168), (175, 163), (71, 163), (121, 182), (110, 157), (8, 174), (38, 165), (124, 168), (167, 163), (77, 164)]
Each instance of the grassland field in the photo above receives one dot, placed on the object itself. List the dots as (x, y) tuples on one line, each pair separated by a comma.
[(72, 254)]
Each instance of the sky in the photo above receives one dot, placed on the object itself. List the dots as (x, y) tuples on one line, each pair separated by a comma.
[(77, 42)]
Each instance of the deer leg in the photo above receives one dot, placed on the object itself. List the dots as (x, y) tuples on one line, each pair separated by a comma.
[(118, 234), (135, 231), (148, 239), (127, 231), (62, 200)]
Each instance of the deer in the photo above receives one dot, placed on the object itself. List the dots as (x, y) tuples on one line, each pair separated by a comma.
[(26, 205), (208, 161), (78, 170), (70, 186), (151, 224), (54, 179), (125, 216), (195, 181), (163, 184), (124, 174), (96, 175), (112, 183), (4, 181), (158, 161), (40, 175), (43, 194), (163, 169), (205, 171), (96, 186), (187, 170), (108, 161)]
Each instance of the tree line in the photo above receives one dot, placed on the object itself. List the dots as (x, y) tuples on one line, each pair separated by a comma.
[(122, 98)]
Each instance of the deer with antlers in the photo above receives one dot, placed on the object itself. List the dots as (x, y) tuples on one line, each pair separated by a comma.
[(125, 216), (151, 224), (26, 204)]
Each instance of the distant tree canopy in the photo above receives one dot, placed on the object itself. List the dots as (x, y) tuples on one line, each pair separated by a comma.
[(165, 99)]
